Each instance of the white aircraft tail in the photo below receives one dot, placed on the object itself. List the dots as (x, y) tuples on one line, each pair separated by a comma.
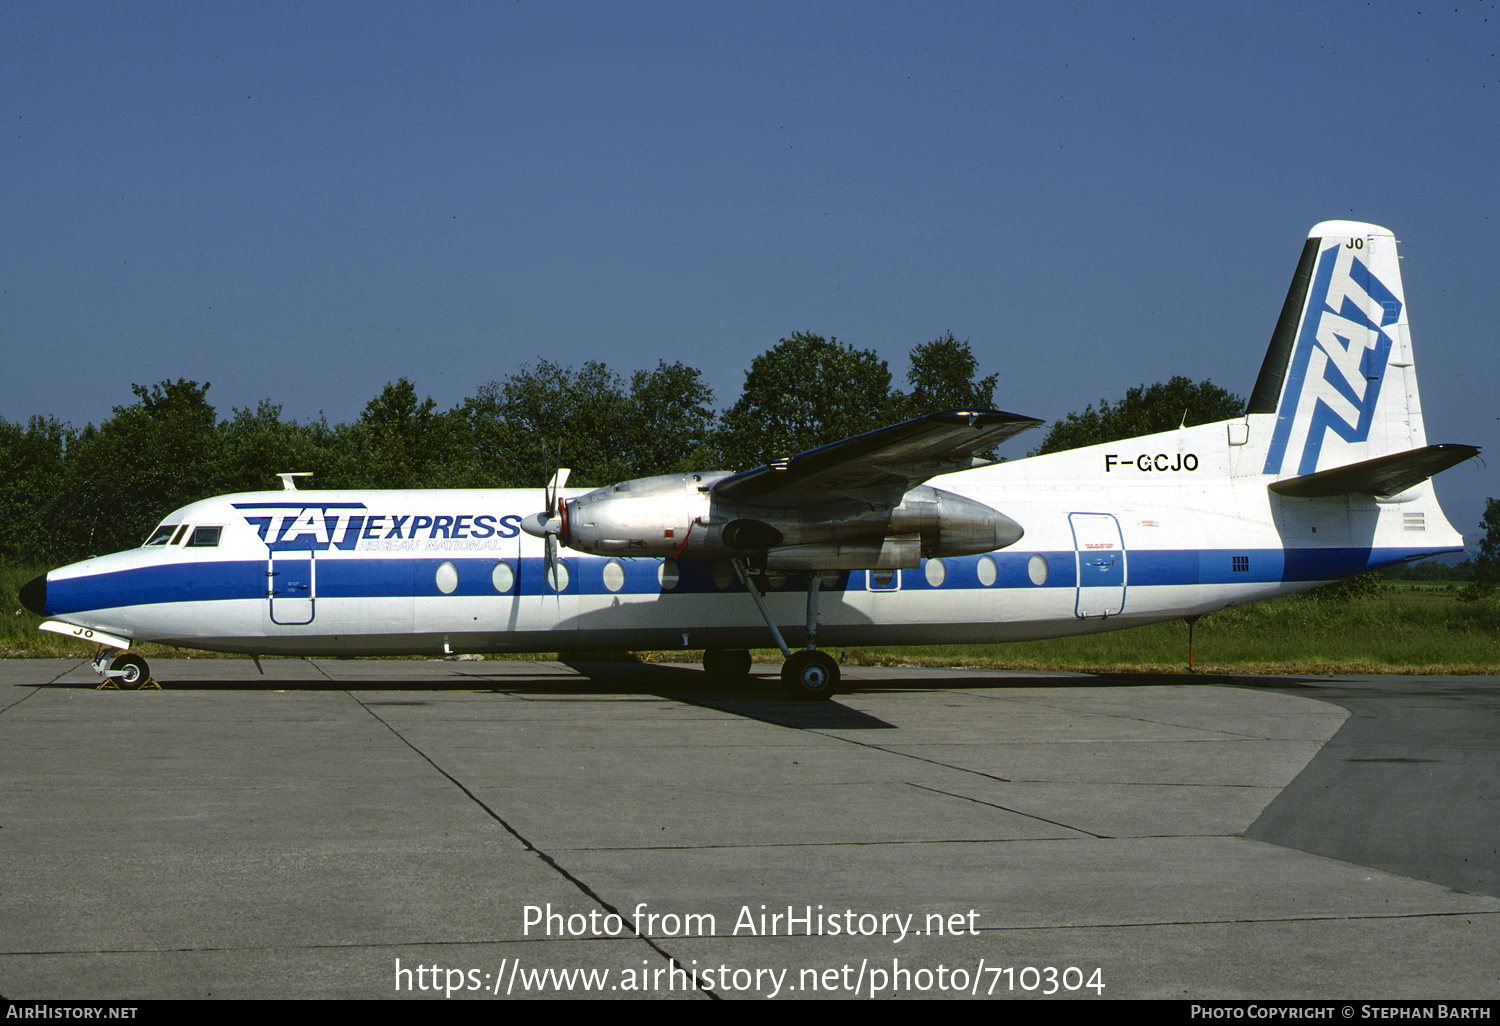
[(1339, 374)]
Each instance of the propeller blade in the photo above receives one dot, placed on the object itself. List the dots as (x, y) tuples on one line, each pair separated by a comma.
[(551, 563), (555, 487), (550, 524)]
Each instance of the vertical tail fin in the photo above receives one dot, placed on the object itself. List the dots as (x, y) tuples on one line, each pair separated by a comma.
[(1339, 374)]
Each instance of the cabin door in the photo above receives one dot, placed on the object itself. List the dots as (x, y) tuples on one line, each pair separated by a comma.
[(292, 586), (1100, 553)]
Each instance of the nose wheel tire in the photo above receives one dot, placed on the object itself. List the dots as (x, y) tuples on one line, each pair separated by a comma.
[(810, 676), (133, 672)]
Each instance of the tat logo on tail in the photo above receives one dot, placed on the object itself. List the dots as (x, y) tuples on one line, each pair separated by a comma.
[(1343, 348)]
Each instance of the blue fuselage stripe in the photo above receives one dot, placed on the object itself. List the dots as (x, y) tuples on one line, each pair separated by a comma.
[(354, 577)]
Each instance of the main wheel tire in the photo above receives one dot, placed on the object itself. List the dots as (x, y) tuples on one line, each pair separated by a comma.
[(810, 676), (726, 665), (134, 672)]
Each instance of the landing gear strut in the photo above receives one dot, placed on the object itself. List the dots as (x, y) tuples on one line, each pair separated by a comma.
[(809, 675)]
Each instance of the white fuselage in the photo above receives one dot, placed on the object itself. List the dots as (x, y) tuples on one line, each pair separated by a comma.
[(1150, 529)]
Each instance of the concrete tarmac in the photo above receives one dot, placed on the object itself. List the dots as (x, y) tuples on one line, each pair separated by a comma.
[(494, 829)]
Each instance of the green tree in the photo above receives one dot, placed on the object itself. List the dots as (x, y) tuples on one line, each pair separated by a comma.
[(1145, 410), (520, 425), (404, 442), (151, 457), (670, 421), (1486, 577), (33, 465), (1428, 570), (805, 392), (942, 378), (257, 444)]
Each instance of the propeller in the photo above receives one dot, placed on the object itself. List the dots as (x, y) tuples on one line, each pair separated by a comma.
[(552, 522)]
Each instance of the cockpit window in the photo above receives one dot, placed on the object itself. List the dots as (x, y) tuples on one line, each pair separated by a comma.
[(178, 536), (162, 535), (204, 537)]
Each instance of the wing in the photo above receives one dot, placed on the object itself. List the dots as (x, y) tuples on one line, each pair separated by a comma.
[(878, 466)]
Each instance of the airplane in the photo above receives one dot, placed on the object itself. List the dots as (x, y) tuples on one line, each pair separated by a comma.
[(901, 536)]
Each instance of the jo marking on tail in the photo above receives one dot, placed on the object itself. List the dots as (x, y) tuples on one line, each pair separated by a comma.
[(900, 536)]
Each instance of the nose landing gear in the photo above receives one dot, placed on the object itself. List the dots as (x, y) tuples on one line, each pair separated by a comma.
[(126, 672)]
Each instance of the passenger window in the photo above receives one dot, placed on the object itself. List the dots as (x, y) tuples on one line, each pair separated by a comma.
[(204, 537)]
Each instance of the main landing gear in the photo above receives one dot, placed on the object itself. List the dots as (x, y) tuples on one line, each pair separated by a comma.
[(808, 675)]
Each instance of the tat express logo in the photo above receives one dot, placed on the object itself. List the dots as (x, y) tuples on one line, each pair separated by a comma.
[(337, 525), (1340, 360)]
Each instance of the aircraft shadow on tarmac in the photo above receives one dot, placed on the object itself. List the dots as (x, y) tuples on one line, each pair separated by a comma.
[(759, 697)]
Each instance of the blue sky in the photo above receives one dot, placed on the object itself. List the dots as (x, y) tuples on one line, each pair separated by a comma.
[(302, 202)]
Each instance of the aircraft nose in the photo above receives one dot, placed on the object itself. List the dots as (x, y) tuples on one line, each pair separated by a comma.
[(34, 595)]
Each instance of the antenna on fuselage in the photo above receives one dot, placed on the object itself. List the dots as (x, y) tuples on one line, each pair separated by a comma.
[(288, 482)]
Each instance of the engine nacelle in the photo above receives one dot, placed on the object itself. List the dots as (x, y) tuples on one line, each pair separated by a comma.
[(899, 552), (677, 515), (649, 516)]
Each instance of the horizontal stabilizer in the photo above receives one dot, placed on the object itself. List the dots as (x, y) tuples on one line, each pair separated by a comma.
[(1383, 476), (886, 462)]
